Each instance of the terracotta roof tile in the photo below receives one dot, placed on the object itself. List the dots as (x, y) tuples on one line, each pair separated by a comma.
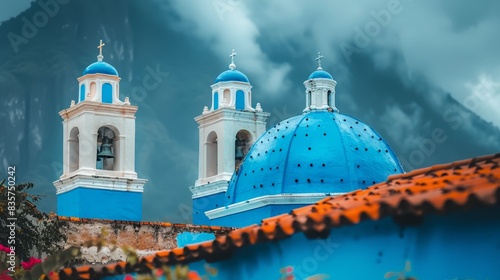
[(440, 188)]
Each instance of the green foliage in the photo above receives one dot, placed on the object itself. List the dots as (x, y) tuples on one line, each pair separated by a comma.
[(36, 231)]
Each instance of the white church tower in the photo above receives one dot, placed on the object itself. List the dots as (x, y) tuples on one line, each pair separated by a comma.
[(226, 132), (99, 178), (320, 90)]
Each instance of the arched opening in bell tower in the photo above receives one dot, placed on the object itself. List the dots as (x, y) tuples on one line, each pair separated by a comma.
[(242, 143), (240, 100), (216, 101), (211, 157), (329, 98), (92, 91), (227, 96), (107, 148), (107, 93), (74, 149)]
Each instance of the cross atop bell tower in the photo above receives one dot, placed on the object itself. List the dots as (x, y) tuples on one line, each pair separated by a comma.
[(100, 57), (99, 179), (318, 59), (232, 55)]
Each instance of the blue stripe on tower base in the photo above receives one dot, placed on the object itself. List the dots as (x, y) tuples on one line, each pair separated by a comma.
[(100, 204)]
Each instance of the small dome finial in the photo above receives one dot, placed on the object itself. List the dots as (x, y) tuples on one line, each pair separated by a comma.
[(318, 59), (100, 57), (232, 55)]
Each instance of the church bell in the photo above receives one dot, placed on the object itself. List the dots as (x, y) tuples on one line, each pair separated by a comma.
[(239, 153), (105, 149)]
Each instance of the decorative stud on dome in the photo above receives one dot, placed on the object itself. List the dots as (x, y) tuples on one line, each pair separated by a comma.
[(232, 66), (100, 57), (318, 59)]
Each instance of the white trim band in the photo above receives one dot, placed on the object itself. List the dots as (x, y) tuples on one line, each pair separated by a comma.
[(209, 189), (99, 182), (276, 199)]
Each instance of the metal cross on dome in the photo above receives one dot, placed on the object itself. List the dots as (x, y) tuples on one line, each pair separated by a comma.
[(232, 55), (318, 59), (99, 57)]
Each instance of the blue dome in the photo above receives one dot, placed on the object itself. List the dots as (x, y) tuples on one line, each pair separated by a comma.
[(318, 152), (100, 67), (231, 76), (320, 74)]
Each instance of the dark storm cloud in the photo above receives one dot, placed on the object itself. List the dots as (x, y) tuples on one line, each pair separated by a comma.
[(450, 48)]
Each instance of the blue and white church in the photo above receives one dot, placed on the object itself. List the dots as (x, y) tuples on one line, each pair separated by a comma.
[(247, 174), (311, 179), (99, 179)]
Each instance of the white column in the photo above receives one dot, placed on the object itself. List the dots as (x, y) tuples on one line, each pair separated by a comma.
[(65, 148), (202, 150), (324, 97)]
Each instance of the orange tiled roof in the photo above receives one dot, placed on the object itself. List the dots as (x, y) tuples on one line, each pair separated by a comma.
[(440, 188)]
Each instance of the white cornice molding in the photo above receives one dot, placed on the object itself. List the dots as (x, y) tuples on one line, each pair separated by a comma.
[(99, 108), (320, 82), (209, 189), (224, 176), (227, 113), (100, 182), (99, 76), (231, 84), (277, 199), (93, 172)]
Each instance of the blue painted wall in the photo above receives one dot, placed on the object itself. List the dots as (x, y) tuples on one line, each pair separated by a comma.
[(243, 219), (216, 100), (464, 245), (82, 93), (254, 216), (282, 209), (107, 93), (187, 238), (100, 204), (202, 204), (240, 100)]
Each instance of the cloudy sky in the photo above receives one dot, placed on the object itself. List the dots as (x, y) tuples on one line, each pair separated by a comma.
[(410, 69), (454, 47)]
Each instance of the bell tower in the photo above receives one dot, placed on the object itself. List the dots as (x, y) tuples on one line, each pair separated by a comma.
[(226, 132), (320, 90), (99, 179)]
